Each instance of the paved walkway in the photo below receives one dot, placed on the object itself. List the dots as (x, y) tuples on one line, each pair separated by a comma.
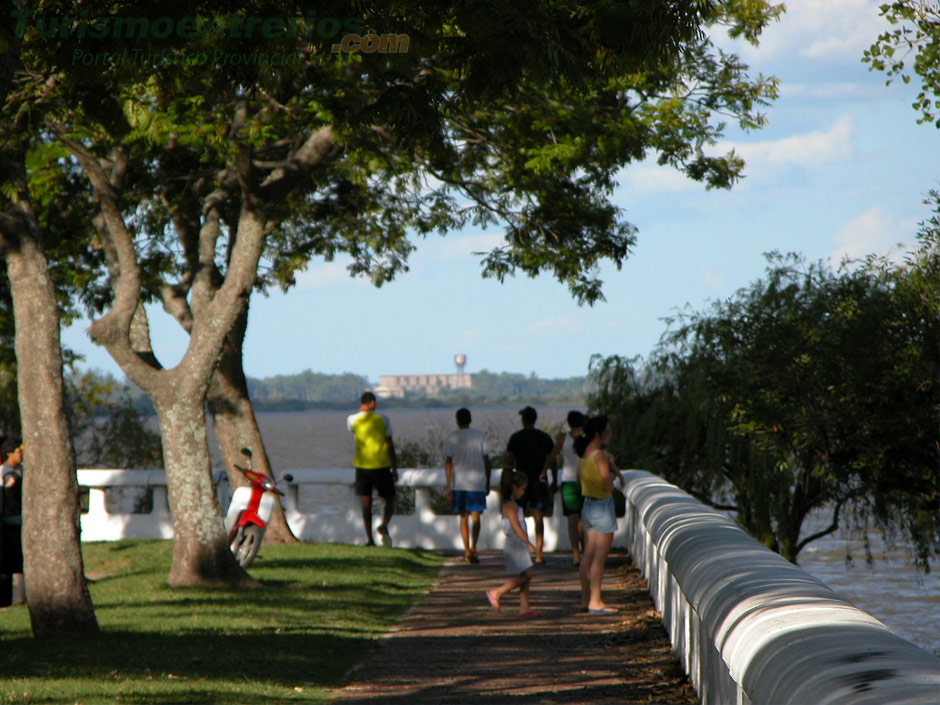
[(453, 647)]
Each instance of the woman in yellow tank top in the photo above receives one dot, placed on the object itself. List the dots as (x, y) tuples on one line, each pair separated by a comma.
[(596, 473)]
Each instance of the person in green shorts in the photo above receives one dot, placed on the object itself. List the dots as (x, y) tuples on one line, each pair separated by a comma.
[(571, 499)]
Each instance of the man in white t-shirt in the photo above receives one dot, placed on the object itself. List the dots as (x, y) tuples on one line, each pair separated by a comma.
[(467, 464)]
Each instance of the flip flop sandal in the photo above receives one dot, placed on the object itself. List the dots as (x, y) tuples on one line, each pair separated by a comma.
[(493, 601)]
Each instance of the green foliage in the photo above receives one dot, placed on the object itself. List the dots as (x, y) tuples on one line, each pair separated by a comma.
[(419, 453), (319, 610), (107, 429), (502, 387), (311, 387), (520, 118), (809, 389), (916, 31), (308, 386)]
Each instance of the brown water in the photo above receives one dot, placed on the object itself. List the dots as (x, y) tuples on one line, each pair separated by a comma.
[(892, 589)]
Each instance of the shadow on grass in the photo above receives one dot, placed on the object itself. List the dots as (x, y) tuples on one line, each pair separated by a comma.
[(175, 668), (287, 658), (317, 612)]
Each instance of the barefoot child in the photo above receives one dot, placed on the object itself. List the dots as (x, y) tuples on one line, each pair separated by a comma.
[(518, 561)]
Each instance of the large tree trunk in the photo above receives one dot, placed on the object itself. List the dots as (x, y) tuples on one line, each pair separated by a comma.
[(201, 553), (236, 427), (59, 602)]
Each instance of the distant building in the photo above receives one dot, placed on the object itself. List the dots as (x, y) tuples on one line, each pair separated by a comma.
[(429, 385), (400, 386)]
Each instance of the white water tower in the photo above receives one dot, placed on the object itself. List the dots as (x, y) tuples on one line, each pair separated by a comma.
[(460, 360)]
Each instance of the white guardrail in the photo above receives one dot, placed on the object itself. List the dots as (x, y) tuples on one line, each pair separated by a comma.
[(336, 519), (748, 626)]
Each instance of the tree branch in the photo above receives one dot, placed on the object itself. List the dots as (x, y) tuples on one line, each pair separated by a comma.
[(833, 525)]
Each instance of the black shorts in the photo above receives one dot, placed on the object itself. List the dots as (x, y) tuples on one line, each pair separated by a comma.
[(380, 479), (11, 549), (536, 496)]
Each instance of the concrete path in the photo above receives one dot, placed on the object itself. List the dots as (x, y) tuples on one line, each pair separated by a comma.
[(453, 647)]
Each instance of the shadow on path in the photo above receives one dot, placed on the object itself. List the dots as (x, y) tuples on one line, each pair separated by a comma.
[(454, 648)]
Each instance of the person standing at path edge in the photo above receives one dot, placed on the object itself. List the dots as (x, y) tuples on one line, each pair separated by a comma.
[(526, 452), (375, 463), (11, 502), (467, 465), (571, 499), (596, 472)]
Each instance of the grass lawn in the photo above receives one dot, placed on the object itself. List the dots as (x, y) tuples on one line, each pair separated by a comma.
[(318, 612)]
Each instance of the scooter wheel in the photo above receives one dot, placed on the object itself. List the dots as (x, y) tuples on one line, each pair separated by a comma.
[(246, 543)]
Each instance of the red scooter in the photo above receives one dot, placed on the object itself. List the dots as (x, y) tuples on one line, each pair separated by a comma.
[(248, 513)]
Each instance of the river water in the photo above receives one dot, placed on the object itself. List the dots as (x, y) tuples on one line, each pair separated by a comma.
[(891, 589)]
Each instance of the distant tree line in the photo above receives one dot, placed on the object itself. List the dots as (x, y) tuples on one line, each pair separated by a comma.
[(307, 386), (811, 390), (310, 388), (511, 386)]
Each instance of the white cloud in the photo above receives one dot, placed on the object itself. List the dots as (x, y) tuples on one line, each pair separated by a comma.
[(650, 177), (831, 90), (843, 28), (873, 232), (712, 279), (834, 29), (554, 325), (324, 275), (810, 149)]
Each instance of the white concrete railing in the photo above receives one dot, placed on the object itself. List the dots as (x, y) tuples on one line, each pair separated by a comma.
[(750, 627), (339, 522), (100, 525)]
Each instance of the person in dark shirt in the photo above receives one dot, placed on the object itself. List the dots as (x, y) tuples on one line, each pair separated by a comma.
[(526, 452), (11, 500)]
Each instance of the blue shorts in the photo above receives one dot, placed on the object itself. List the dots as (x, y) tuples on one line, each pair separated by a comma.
[(468, 501), (598, 515)]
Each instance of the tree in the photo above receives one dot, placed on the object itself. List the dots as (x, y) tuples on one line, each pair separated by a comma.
[(523, 122), (809, 389), (916, 31), (59, 602)]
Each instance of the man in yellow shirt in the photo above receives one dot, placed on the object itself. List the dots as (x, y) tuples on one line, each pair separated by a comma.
[(375, 463)]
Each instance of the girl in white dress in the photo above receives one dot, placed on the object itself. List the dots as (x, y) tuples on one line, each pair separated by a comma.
[(517, 548)]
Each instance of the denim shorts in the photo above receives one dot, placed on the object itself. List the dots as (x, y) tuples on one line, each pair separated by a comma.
[(598, 515)]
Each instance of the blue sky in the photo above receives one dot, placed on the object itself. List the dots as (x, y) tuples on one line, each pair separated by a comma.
[(841, 169)]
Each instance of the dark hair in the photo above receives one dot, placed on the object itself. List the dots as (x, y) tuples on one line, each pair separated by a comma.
[(575, 419), (593, 427), (510, 479), (9, 445), (367, 398), (463, 417), (528, 415)]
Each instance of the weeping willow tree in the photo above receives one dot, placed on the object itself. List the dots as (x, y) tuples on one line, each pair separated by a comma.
[(810, 390)]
